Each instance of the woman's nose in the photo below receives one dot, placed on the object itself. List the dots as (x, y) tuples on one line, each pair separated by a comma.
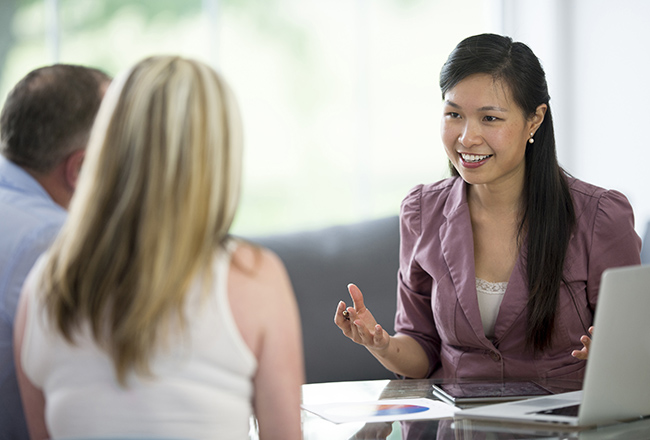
[(469, 135)]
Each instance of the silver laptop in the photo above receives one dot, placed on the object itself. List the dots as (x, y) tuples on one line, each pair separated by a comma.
[(617, 379)]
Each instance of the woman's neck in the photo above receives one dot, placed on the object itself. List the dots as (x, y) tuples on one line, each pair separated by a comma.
[(497, 198)]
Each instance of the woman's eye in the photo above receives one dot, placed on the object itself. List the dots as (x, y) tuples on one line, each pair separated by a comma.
[(491, 118), (453, 115)]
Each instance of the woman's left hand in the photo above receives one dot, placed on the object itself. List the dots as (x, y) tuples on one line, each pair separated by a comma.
[(583, 353)]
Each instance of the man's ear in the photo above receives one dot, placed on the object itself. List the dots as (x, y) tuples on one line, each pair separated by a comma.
[(72, 168)]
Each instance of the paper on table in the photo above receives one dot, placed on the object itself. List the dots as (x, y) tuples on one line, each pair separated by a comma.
[(382, 410)]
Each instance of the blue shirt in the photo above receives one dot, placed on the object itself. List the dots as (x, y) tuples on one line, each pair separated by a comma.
[(29, 222)]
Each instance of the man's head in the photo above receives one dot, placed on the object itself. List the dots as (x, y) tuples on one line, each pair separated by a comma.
[(46, 122)]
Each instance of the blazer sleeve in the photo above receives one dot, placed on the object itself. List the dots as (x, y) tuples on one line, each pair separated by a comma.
[(414, 315), (614, 241)]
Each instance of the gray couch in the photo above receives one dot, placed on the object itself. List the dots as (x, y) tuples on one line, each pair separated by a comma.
[(645, 248), (321, 264)]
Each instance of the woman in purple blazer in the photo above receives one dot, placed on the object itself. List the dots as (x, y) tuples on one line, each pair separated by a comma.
[(500, 264)]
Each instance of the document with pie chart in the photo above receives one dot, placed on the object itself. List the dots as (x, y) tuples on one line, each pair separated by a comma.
[(382, 410)]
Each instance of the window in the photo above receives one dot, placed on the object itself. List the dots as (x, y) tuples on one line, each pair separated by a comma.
[(339, 98)]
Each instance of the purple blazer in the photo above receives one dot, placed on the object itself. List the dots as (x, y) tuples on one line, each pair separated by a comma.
[(437, 301)]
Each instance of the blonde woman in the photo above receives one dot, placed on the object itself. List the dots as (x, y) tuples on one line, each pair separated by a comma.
[(145, 319)]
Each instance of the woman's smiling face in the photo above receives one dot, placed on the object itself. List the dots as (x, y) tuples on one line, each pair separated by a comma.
[(485, 133)]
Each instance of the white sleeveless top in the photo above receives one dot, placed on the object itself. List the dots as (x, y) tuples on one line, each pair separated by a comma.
[(201, 388), (490, 296)]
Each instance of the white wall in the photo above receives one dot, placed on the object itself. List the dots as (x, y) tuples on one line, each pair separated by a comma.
[(597, 57), (612, 98)]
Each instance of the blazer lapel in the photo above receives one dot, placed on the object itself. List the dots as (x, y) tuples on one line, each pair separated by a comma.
[(457, 244), (515, 300)]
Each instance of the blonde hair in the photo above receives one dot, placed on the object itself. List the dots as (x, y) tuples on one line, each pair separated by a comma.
[(156, 197)]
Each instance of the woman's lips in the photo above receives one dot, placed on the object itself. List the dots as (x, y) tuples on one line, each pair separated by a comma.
[(473, 160)]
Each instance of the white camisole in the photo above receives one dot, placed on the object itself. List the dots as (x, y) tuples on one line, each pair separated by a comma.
[(490, 296), (201, 387)]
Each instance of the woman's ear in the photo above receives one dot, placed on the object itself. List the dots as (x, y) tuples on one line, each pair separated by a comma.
[(537, 118)]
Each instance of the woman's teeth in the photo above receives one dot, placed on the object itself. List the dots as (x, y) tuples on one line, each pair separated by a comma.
[(473, 157)]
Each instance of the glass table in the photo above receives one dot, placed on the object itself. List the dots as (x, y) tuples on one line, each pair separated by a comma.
[(316, 428)]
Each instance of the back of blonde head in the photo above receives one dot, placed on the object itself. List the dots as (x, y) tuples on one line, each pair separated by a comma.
[(156, 197)]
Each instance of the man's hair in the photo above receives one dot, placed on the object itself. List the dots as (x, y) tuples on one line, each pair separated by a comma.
[(49, 114)]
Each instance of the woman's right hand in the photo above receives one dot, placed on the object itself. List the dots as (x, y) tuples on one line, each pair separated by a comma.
[(360, 325)]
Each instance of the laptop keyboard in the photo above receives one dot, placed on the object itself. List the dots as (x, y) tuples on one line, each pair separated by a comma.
[(571, 411)]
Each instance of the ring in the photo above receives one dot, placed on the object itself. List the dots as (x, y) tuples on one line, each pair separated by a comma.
[(346, 314)]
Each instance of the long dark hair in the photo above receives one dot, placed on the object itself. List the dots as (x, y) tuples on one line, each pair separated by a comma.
[(548, 215)]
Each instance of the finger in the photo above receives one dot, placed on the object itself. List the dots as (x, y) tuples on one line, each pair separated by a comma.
[(339, 317), (357, 298), (358, 327), (341, 311), (379, 336), (352, 314), (355, 333), (365, 337), (591, 330), (344, 324), (580, 354), (369, 336)]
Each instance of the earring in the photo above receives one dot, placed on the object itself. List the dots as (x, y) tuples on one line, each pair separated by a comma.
[(531, 140)]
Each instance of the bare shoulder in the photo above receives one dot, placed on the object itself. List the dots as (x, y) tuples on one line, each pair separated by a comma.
[(260, 293), (252, 265)]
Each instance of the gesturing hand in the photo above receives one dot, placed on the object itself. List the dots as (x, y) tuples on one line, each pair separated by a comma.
[(583, 353), (359, 324)]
